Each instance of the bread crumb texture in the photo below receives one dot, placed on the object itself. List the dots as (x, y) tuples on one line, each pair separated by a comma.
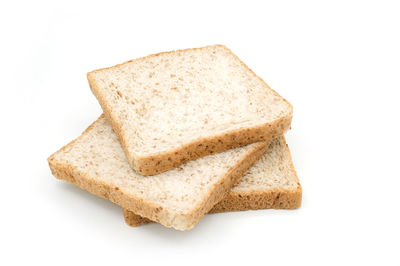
[(177, 106)]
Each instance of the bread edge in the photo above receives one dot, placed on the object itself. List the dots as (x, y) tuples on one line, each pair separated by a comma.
[(164, 161), (256, 200)]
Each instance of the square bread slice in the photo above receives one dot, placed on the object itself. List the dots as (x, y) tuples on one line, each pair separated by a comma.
[(271, 183), (177, 198), (174, 107)]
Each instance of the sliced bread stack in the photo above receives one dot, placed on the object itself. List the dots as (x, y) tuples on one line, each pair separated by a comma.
[(184, 133)]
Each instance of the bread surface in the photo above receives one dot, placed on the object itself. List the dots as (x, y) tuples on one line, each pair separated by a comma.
[(173, 107)]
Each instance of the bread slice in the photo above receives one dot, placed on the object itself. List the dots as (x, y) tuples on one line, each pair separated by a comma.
[(270, 183), (178, 198), (173, 107)]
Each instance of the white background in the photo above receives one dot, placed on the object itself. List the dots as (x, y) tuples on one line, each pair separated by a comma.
[(337, 62)]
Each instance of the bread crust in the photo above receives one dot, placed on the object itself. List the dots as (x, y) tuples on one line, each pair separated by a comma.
[(163, 161), (243, 201), (151, 210), (256, 200)]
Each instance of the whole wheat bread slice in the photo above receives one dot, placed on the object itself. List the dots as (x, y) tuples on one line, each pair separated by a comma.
[(177, 198), (272, 182), (173, 107)]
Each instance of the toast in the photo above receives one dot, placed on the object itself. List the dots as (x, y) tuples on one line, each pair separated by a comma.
[(177, 198), (174, 107)]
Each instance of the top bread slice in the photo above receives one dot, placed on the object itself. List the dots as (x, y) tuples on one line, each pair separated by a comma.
[(173, 107), (177, 198)]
